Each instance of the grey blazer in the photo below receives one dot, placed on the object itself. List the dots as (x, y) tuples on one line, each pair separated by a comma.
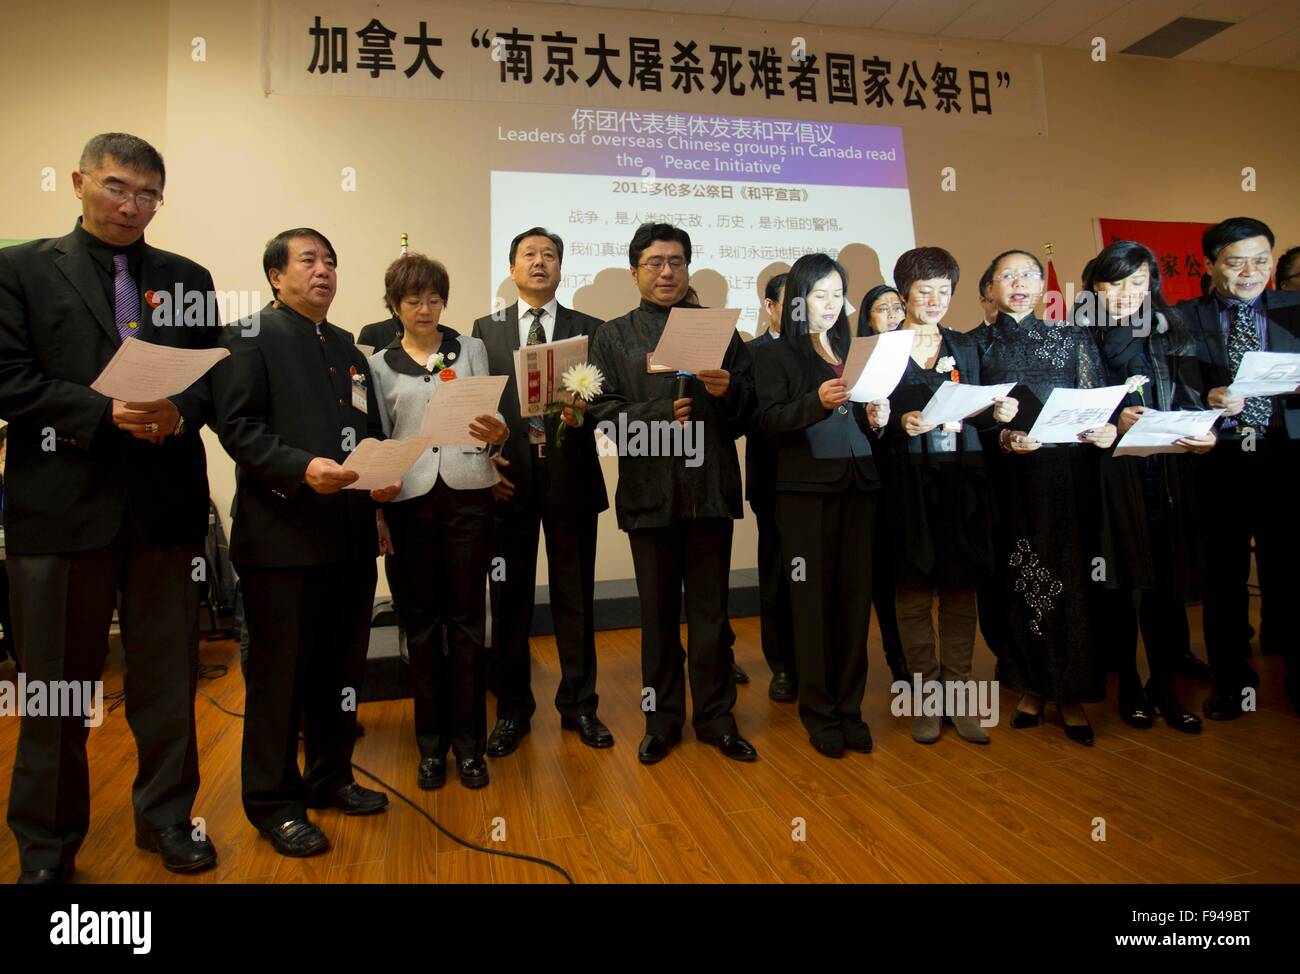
[(403, 388)]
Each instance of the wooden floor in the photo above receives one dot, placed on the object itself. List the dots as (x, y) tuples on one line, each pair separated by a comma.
[(1224, 806)]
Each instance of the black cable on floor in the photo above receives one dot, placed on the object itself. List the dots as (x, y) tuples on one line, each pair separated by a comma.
[(433, 821)]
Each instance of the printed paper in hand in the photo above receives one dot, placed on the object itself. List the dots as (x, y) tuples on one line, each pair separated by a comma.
[(1155, 432), (456, 404), (538, 369), (696, 339), (143, 372), (1069, 412), (958, 400), (1267, 374), (382, 463), (875, 364)]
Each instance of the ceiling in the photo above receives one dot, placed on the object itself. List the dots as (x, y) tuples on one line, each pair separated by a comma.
[(1264, 33)]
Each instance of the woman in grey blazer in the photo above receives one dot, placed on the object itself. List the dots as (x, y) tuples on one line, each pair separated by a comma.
[(438, 529)]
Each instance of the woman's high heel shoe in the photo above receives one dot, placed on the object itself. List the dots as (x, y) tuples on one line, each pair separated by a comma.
[(1022, 719), (1079, 733), (1175, 714)]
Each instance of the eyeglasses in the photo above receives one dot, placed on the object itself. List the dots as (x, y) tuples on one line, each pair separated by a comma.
[(1007, 277), (145, 201), (657, 263), (413, 301)]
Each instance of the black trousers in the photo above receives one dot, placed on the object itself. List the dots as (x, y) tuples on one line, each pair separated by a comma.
[(62, 606), (442, 543), (696, 554), (309, 630), (775, 625), (831, 603), (1250, 494), (571, 567)]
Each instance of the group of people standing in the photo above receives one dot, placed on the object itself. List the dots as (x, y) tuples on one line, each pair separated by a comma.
[(858, 505)]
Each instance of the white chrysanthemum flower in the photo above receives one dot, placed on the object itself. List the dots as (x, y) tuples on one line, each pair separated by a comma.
[(945, 364), (584, 381), (1135, 383)]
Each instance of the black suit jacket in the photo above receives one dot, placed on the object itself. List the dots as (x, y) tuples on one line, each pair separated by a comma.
[(71, 475), (573, 469), (760, 448), (283, 398), (816, 447), (380, 334), (1201, 316)]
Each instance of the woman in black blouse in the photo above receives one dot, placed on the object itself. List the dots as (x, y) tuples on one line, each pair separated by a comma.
[(881, 310), (826, 484), (1049, 533), (938, 495), (1150, 542)]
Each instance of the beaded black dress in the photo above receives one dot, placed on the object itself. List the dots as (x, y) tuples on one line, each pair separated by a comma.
[(1048, 533)]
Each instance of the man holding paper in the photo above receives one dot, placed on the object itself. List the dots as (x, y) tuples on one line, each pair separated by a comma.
[(1255, 465), (677, 510), (292, 401), (104, 498), (545, 482)]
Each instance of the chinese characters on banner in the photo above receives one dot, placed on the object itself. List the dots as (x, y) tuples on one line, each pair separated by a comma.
[(640, 59), (1177, 247)]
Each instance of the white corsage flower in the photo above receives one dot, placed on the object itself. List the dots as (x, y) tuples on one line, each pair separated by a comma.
[(945, 364)]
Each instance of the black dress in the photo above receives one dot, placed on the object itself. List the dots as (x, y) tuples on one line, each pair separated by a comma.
[(1049, 532)]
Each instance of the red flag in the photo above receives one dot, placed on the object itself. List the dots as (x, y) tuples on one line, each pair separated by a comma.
[(1053, 285)]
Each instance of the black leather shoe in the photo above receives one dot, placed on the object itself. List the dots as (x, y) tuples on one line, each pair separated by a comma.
[(783, 688), (1223, 705), (1189, 665), (505, 737), (1135, 710), (1079, 733), (594, 732), (48, 877), (1021, 719), (352, 799), (857, 737), (733, 746), (433, 773), (297, 837), (830, 749), (180, 851), (473, 772), (654, 747), (1175, 714), (740, 675)]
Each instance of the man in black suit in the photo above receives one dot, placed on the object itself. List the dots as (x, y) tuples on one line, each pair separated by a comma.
[(1248, 479), (293, 399), (104, 499), (559, 487), (776, 626), (380, 334)]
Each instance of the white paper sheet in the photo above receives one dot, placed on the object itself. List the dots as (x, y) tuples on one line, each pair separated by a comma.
[(1267, 374), (1068, 412), (875, 363), (143, 372), (538, 369), (958, 400), (1155, 432), (696, 339), (456, 404), (382, 463)]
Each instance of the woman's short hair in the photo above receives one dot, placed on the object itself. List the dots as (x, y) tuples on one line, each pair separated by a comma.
[(414, 274)]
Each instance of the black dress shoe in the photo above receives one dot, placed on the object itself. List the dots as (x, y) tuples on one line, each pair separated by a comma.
[(297, 837), (857, 737), (433, 773), (1192, 667), (783, 688), (654, 747), (1175, 714), (594, 732), (828, 748), (180, 851), (733, 746), (1022, 719), (1135, 710), (740, 675), (48, 877), (473, 772), (1079, 733), (505, 736), (352, 799), (1223, 705)]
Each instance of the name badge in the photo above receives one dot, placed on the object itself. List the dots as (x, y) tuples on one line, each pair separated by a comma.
[(359, 391)]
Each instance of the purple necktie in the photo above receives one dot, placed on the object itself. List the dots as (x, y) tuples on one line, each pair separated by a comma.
[(126, 298)]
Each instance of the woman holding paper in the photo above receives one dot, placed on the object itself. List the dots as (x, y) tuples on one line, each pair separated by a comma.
[(439, 527), (938, 493), (826, 487), (1150, 542), (1049, 533)]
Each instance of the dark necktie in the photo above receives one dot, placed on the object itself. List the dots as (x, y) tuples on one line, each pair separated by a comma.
[(536, 336), (126, 298), (1243, 337)]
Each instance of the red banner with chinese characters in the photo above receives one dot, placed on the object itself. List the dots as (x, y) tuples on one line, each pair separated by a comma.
[(1177, 247)]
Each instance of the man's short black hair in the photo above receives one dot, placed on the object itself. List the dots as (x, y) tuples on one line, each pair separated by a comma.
[(130, 150), (537, 232), (986, 281), (774, 284), (648, 233), (1230, 231), (1288, 265), (276, 254)]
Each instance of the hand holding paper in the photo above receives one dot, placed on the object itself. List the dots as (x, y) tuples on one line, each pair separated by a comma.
[(455, 405), (875, 364), (1157, 432), (957, 400), (381, 463), (695, 339), (140, 371), (1267, 374), (1068, 413)]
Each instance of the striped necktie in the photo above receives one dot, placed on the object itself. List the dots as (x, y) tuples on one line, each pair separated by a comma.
[(536, 336), (126, 298)]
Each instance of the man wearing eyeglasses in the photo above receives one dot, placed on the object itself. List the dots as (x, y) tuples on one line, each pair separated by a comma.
[(1248, 480), (106, 505), (678, 515)]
